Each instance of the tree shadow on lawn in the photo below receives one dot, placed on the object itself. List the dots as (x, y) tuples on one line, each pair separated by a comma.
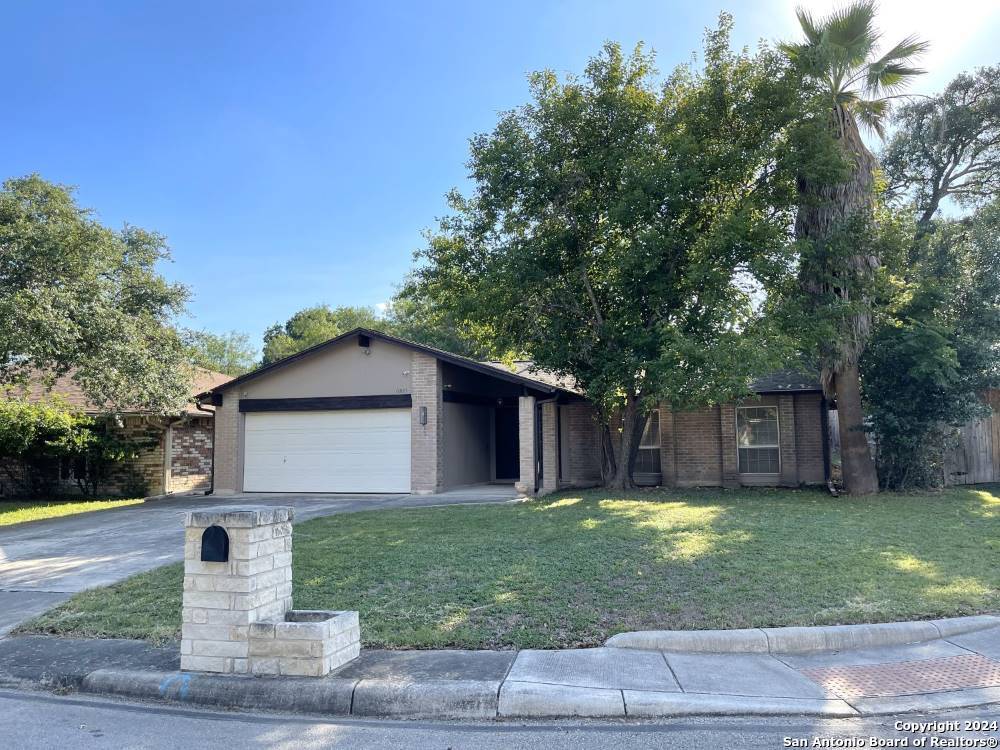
[(574, 570)]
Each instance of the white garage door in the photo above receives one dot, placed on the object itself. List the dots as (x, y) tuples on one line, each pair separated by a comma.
[(351, 450)]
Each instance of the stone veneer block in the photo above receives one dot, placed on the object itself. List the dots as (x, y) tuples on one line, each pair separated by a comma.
[(305, 643), (223, 599)]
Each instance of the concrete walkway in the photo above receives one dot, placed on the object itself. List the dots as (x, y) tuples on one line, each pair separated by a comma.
[(953, 672), (42, 563)]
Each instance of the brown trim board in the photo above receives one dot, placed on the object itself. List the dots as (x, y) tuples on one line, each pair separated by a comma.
[(386, 401)]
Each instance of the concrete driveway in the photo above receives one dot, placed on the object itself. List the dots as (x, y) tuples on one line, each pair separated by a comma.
[(43, 563)]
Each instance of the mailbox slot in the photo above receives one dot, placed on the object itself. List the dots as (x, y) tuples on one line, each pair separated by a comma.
[(215, 545)]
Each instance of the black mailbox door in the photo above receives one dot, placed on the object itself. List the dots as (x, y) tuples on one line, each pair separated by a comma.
[(215, 545)]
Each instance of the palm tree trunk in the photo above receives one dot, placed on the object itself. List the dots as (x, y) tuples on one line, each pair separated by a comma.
[(824, 208), (858, 467)]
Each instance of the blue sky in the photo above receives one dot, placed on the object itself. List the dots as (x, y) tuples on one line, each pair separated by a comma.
[(293, 152)]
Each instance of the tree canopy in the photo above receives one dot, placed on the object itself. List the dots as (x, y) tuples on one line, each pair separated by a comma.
[(936, 337), (619, 230), (947, 146), (76, 296), (312, 326), (230, 353)]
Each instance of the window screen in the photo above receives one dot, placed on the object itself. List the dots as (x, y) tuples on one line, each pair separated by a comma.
[(757, 440), (647, 461)]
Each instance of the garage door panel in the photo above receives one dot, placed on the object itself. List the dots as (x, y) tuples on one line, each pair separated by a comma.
[(363, 450)]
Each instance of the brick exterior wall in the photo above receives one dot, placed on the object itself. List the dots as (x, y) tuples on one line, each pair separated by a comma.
[(727, 443), (698, 448), (787, 431), (426, 444), (228, 472), (582, 438), (190, 445), (526, 444), (550, 448), (143, 476), (668, 448), (809, 437)]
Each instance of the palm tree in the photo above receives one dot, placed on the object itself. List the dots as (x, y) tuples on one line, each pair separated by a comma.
[(839, 56)]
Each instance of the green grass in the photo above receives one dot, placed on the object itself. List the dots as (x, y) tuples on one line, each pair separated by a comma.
[(16, 511), (574, 569)]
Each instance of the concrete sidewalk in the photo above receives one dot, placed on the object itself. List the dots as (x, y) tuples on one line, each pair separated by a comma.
[(951, 672)]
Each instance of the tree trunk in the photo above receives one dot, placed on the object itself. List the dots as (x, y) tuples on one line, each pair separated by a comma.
[(628, 445), (860, 477), (824, 208), (609, 466)]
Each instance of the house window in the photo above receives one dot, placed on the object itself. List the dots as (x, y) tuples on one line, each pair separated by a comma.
[(757, 439), (647, 460)]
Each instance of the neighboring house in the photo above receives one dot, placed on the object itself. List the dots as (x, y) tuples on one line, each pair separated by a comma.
[(368, 412), (179, 461)]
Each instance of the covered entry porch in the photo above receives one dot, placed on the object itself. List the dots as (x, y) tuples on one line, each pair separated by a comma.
[(500, 431)]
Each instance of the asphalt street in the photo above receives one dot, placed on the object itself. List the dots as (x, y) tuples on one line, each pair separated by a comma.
[(42, 720)]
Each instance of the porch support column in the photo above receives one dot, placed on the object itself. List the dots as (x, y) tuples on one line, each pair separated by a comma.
[(526, 444), (786, 440), (550, 448), (426, 423), (727, 431)]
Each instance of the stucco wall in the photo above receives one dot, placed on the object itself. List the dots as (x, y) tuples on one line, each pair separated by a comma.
[(340, 370), (466, 444)]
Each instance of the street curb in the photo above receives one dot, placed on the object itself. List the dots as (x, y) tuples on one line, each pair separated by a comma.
[(801, 639), (928, 702), (651, 704), (426, 699), (486, 699), (441, 699), (537, 700), (300, 694)]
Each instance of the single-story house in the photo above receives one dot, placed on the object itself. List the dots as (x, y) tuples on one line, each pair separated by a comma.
[(366, 412), (179, 459)]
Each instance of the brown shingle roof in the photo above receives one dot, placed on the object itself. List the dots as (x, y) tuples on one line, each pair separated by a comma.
[(39, 387), (527, 369)]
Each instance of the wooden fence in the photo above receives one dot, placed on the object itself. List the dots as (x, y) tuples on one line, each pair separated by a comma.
[(976, 458)]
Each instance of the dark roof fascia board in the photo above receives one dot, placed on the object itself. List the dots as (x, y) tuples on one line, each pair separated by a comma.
[(769, 391), (328, 403), (454, 359)]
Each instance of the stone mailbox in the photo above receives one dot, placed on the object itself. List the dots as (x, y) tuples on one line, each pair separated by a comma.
[(236, 613)]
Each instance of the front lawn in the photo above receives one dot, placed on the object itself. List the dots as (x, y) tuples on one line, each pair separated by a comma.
[(19, 511), (573, 569)]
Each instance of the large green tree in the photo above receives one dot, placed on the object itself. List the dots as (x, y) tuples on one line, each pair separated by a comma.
[(230, 353), (619, 230), (76, 296), (312, 326), (947, 146), (836, 217), (936, 336), (935, 344), (414, 315)]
